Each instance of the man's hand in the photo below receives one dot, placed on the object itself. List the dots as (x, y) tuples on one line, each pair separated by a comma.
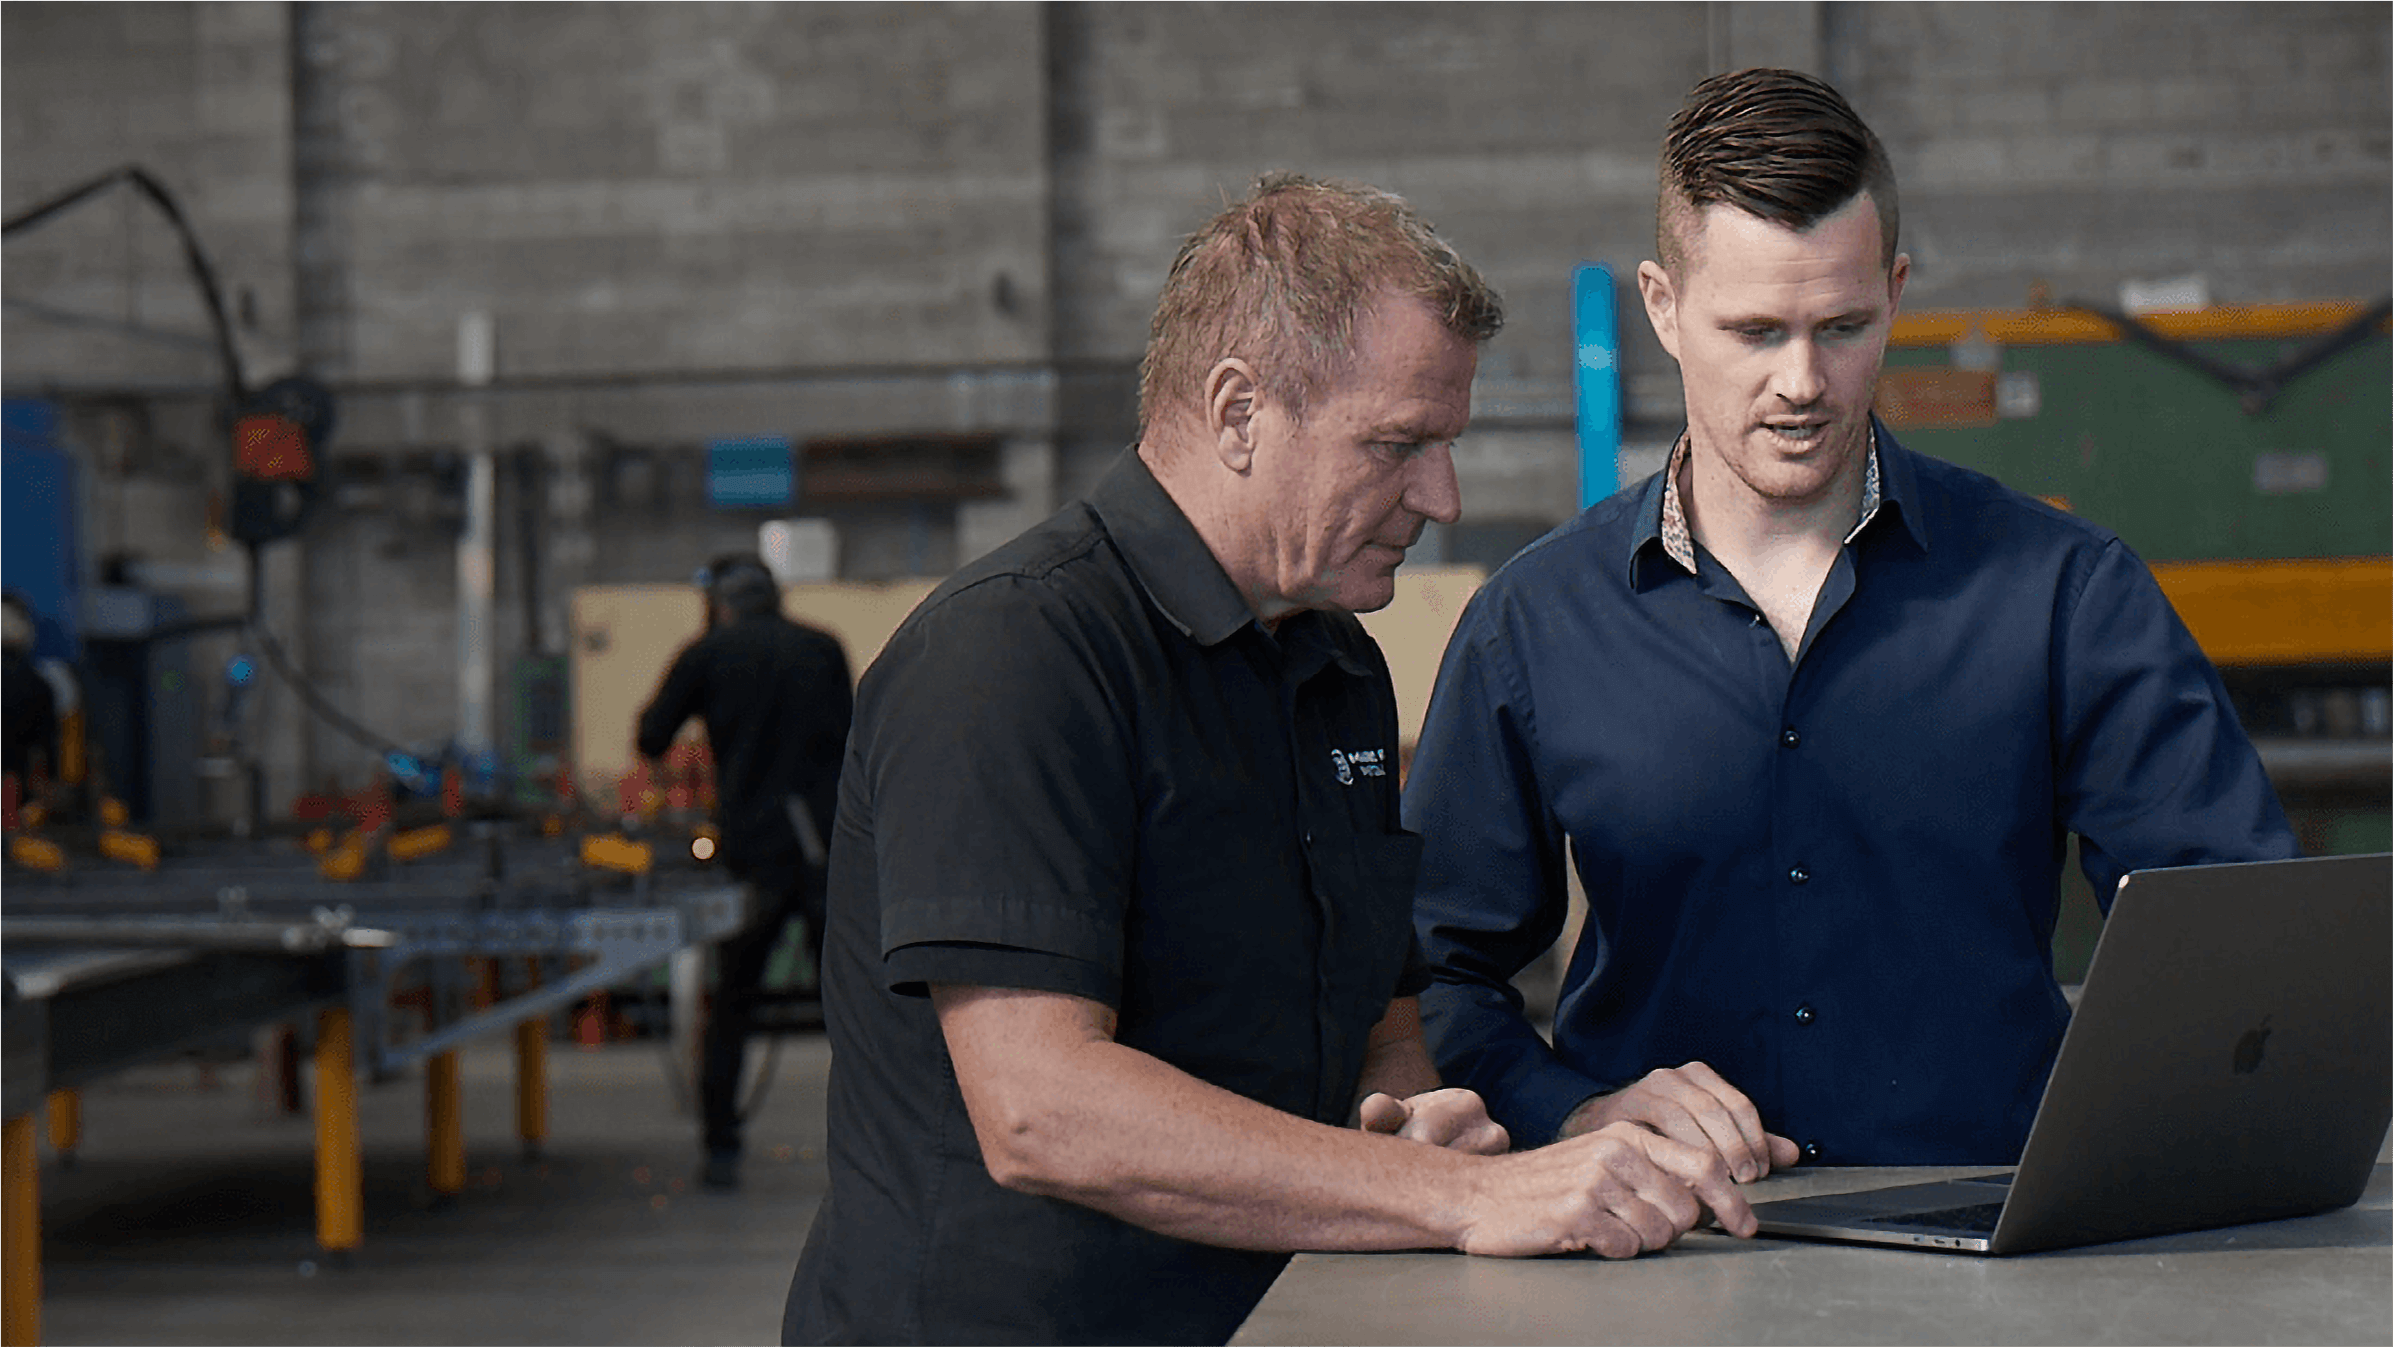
[(1621, 1191), (1454, 1119), (1692, 1105)]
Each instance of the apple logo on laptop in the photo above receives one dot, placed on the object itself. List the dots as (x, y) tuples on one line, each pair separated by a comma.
[(2248, 1048)]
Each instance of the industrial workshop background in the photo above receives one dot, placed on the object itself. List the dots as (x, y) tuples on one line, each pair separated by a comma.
[(917, 244), (377, 374)]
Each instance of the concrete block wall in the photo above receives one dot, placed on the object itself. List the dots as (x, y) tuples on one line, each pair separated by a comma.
[(675, 188), (199, 95), (2078, 146), (701, 220)]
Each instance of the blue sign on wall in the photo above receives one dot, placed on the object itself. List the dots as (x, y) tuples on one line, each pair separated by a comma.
[(39, 555), (1595, 332), (753, 473)]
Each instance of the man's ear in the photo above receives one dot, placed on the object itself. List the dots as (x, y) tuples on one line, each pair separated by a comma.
[(1230, 397), (1894, 284), (1660, 294)]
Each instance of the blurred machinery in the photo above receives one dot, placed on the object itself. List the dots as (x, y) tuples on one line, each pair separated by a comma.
[(2246, 453)]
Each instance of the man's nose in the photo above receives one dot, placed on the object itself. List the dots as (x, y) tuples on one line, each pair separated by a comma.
[(1432, 490), (1798, 377)]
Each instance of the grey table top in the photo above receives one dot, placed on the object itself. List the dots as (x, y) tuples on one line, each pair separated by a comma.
[(2319, 1279)]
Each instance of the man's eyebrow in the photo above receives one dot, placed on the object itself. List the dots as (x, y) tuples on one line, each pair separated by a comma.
[(1401, 432), (1858, 312)]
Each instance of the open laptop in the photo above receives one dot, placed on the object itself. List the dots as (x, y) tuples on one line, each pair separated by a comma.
[(2231, 1060)]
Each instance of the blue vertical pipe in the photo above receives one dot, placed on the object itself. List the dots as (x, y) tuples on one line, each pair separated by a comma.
[(1595, 336)]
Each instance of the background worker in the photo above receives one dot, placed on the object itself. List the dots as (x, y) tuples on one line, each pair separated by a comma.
[(31, 717), (1813, 716), (775, 698)]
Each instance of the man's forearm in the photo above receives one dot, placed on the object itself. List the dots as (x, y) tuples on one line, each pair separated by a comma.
[(1143, 1141), (1064, 1111)]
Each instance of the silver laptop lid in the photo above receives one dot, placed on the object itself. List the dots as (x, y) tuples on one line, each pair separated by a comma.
[(2231, 1060)]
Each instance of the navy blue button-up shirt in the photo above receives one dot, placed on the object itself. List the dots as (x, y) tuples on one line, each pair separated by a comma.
[(1835, 880)]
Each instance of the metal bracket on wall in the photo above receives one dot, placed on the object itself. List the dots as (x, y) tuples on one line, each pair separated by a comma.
[(2256, 388)]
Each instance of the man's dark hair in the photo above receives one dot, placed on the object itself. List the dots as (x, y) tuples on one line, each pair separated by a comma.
[(741, 583), (1777, 144)]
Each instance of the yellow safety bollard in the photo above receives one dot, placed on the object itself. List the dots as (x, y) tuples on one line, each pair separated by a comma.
[(443, 1125), (531, 1082), (340, 1175), (21, 1234), (66, 1121)]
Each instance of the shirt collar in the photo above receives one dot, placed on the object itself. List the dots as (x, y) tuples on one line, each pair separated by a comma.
[(1179, 573), (1185, 581), (1665, 513)]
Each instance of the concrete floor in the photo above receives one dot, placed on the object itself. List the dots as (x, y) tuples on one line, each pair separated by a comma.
[(187, 1215)]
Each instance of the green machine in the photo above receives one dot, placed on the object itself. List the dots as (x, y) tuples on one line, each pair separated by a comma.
[(2246, 453)]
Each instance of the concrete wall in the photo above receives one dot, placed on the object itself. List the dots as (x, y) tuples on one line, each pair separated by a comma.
[(640, 188), (697, 220)]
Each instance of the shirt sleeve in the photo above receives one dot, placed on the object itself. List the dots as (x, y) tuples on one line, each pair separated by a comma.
[(676, 700), (1004, 796), (1491, 895), (2153, 767)]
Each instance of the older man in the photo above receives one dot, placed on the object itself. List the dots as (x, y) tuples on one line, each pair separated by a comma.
[(1812, 715), (1121, 969)]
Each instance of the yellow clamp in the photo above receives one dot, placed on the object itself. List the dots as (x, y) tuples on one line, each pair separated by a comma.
[(416, 843), (614, 851), (131, 848), (346, 859), (37, 853)]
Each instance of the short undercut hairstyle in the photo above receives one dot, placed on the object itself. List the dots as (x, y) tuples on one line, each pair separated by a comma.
[(1281, 277), (1777, 144)]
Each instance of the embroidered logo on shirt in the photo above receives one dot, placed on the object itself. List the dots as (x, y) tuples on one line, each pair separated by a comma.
[(1358, 762)]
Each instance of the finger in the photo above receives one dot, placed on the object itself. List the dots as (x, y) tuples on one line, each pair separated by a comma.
[(1784, 1153), (1718, 1116), (1673, 1107), (1654, 1226), (1482, 1137), (1383, 1113), (1704, 1176), (1634, 1190), (1614, 1238), (1441, 1117), (1488, 1138)]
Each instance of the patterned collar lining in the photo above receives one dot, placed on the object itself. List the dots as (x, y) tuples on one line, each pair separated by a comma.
[(1681, 545)]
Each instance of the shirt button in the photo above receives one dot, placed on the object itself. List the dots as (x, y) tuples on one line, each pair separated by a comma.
[(1811, 1151), (1798, 875), (1789, 737), (1804, 1014)]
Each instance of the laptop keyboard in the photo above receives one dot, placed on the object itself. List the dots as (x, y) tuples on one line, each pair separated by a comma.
[(1977, 1218)]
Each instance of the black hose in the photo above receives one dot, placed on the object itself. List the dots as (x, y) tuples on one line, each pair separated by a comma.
[(202, 270)]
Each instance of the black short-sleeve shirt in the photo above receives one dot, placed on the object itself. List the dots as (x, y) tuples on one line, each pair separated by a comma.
[(1082, 766)]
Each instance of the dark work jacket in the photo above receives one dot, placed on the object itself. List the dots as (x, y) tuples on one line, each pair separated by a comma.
[(776, 700)]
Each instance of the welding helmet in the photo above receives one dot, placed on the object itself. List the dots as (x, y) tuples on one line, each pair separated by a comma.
[(740, 583)]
